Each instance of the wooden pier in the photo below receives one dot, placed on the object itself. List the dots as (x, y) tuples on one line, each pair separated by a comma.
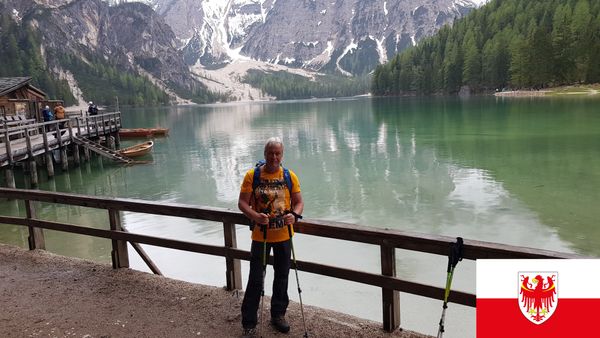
[(34, 144)]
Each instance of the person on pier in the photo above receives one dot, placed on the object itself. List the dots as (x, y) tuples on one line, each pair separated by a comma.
[(47, 114), (59, 114), (272, 203), (92, 109)]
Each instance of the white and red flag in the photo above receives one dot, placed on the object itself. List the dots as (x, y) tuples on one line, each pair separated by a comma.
[(538, 298)]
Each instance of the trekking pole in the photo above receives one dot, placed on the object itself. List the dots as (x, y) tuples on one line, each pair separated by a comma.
[(297, 280), (455, 255), (264, 266)]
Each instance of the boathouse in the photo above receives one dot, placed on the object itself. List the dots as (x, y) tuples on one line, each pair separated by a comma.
[(19, 98)]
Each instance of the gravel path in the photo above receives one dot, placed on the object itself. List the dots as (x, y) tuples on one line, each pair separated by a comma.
[(46, 295)]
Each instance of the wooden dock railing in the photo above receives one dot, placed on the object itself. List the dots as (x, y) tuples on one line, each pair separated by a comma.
[(387, 240), (22, 139)]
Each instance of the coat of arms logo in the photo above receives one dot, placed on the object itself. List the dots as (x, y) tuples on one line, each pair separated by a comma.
[(538, 296)]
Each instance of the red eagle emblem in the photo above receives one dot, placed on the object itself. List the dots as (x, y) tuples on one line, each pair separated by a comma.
[(537, 295)]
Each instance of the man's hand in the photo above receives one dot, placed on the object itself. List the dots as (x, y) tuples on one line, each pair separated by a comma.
[(289, 219), (261, 218)]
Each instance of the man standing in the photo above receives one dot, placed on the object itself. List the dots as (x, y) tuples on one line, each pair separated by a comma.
[(92, 108), (47, 114), (270, 197), (59, 113)]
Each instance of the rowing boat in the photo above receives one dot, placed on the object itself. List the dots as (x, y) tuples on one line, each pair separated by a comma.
[(137, 150), (143, 132)]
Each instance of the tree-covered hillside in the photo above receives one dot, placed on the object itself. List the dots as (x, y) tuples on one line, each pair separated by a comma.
[(25, 52), (506, 43), (20, 55), (287, 86)]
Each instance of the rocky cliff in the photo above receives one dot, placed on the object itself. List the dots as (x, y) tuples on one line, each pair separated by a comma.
[(343, 36), (131, 37)]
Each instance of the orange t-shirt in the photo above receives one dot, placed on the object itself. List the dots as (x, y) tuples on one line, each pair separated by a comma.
[(59, 112), (273, 198)]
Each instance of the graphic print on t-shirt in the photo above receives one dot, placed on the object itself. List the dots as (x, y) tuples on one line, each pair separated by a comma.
[(270, 197)]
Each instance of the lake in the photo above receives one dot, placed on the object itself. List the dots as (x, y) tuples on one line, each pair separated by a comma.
[(519, 171)]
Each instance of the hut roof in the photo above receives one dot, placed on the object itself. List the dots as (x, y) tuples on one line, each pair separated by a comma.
[(10, 84)]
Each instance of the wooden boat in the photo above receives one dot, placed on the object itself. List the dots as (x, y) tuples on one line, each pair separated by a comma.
[(137, 150), (143, 132)]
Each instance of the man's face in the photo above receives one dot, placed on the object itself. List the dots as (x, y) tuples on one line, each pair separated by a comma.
[(274, 155)]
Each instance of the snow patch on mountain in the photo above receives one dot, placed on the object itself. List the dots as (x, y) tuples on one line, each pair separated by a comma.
[(349, 49), (16, 16)]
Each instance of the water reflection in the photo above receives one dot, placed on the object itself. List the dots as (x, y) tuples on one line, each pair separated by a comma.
[(518, 172)]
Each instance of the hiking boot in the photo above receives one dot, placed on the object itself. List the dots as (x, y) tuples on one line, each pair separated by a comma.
[(249, 333), (280, 324)]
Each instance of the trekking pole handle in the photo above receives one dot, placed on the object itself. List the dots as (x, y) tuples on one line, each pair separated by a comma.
[(456, 253)]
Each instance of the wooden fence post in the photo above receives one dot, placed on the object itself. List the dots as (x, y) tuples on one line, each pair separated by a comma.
[(32, 165), (10, 177), (9, 153), (120, 258), (390, 297), (36, 235), (110, 142), (103, 125), (48, 153), (233, 266), (78, 127)]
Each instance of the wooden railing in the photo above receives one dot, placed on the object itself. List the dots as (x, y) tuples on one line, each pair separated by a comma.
[(387, 240)]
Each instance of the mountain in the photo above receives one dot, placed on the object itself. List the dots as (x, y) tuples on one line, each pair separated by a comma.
[(347, 37), (84, 37), (202, 49)]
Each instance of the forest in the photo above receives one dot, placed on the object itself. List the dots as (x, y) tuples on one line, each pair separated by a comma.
[(102, 82), (516, 44), (286, 86), (20, 55)]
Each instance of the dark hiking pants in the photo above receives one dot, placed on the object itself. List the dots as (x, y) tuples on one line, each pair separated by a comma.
[(279, 299)]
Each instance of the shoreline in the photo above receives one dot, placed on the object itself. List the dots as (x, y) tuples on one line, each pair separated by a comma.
[(572, 90), (45, 294)]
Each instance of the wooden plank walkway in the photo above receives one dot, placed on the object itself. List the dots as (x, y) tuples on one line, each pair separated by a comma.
[(45, 295)]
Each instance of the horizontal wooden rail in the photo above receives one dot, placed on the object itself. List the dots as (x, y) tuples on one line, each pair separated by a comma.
[(434, 244), (387, 239)]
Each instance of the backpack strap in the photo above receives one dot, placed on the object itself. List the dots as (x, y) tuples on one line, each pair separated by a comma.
[(288, 179), (256, 178)]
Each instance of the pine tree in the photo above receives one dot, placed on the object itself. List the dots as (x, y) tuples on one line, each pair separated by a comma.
[(562, 45), (581, 38), (472, 65)]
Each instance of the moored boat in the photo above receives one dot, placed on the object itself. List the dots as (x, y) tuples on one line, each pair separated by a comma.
[(143, 132), (137, 150)]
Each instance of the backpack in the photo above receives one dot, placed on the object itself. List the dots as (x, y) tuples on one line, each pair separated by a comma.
[(48, 115), (256, 180)]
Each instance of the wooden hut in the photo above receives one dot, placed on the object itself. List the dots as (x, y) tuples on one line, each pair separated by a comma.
[(19, 98)]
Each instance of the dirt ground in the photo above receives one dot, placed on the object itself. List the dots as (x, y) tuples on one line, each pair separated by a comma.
[(46, 295)]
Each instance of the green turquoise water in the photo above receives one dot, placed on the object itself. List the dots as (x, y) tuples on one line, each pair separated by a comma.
[(517, 171)]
